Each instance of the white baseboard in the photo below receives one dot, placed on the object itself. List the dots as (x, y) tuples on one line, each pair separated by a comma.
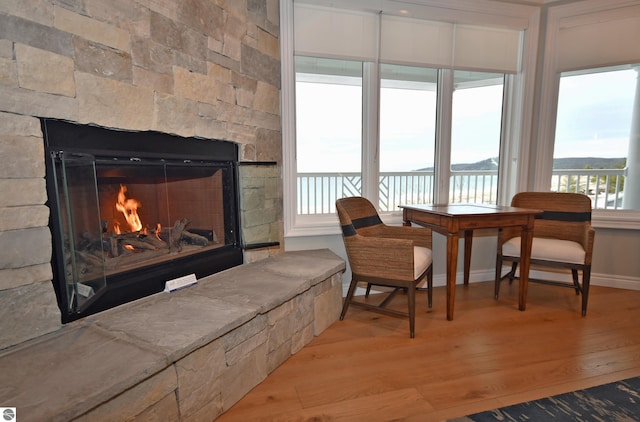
[(605, 280), (617, 281)]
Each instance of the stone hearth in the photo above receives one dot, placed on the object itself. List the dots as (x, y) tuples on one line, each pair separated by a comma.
[(182, 356), (207, 69)]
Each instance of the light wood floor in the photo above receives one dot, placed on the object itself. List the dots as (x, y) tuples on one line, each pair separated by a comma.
[(366, 368)]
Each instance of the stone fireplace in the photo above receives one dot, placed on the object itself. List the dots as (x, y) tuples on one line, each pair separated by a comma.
[(188, 68)]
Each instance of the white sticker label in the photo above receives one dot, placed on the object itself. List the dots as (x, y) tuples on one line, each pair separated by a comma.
[(180, 283)]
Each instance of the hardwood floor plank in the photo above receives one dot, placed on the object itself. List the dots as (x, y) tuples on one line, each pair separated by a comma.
[(491, 355), (491, 384), (391, 405), (352, 386)]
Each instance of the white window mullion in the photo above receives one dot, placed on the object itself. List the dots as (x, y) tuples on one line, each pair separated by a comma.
[(509, 182), (287, 101), (370, 131), (443, 136)]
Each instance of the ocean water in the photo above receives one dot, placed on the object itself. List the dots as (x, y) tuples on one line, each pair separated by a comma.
[(317, 192)]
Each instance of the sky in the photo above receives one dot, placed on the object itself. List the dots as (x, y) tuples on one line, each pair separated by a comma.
[(594, 116)]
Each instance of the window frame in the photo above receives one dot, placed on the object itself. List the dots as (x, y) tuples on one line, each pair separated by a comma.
[(549, 93), (516, 122)]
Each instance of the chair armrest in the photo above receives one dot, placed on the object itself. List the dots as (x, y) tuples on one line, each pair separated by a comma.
[(380, 257), (587, 243), (419, 235)]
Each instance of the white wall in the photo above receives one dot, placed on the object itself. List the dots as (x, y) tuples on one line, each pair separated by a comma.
[(616, 257), (482, 258)]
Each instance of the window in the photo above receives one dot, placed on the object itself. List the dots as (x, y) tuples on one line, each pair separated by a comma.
[(592, 151), (383, 81), (475, 137), (408, 102), (402, 168), (593, 48), (328, 132)]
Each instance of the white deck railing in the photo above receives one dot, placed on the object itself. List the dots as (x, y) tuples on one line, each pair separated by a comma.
[(605, 187), (317, 192)]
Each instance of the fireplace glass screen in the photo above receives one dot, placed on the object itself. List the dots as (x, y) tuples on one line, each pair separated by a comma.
[(125, 224)]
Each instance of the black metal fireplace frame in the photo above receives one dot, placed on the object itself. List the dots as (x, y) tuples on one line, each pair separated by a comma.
[(113, 144)]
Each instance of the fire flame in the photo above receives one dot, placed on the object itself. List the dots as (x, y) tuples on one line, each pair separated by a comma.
[(129, 208)]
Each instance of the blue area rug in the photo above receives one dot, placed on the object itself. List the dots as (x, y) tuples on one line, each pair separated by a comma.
[(614, 402)]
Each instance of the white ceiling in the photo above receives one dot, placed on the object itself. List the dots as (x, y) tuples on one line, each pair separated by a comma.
[(404, 4), (535, 2)]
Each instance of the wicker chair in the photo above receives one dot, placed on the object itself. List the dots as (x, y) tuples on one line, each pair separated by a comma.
[(562, 238), (392, 256)]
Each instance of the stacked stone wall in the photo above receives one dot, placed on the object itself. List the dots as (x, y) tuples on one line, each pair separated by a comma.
[(203, 68)]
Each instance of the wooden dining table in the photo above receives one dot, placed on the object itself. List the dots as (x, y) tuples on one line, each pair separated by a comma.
[(453, 219)]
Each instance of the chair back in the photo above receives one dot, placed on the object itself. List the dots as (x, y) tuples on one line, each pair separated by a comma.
[(565, 215), (356, 214)]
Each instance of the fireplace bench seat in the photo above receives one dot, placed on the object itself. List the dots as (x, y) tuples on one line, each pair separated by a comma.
[(188, 355)]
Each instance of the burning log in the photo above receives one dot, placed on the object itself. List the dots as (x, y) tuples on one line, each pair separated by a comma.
[(138, 243), (134, 240), (178, 236), (90, 259), (114, 250), (133, 258), (175, 234), (155, 240), (194, 239), (113, 243), (89, 243)]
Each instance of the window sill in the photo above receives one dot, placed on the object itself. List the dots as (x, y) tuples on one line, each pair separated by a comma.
[(328, 225), (317, 225), (620, 219)]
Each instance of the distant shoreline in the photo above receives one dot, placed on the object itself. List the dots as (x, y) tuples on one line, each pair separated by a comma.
[(569, 163)]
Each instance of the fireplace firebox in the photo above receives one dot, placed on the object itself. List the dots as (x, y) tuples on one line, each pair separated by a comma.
[(131, 211)]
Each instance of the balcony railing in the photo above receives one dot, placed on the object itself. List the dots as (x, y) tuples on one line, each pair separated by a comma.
[(317, 192), (605, 187)]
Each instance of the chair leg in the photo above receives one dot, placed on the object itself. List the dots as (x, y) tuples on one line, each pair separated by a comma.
[(347, 300), (430, 287), (389, 297), (576, 283), (512, 274), (586, 280), (411, 298), (496, 287), (366, 294)]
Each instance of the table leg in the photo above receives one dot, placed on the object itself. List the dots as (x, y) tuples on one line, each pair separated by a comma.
[(452, 263), (468, 239), (525, 261)]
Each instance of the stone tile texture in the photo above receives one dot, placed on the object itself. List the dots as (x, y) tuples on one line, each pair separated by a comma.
[(209, 69), (184, 356)]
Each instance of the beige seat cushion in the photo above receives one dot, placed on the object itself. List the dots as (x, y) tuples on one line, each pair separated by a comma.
[(421, 260), (548, 250)]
